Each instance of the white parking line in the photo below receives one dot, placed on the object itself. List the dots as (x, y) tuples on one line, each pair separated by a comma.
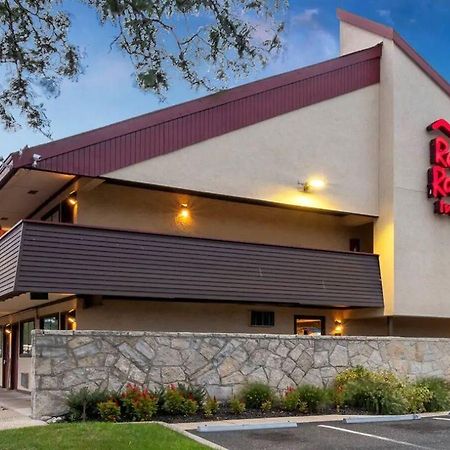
[(440, 418), (381, 438)]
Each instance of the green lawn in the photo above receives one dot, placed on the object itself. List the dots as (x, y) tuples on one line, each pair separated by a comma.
[(96, 436)]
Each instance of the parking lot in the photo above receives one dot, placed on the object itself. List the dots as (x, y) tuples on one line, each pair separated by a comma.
[(426, 433)]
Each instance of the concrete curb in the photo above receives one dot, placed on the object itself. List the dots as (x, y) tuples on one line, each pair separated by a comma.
[(247, 426), (381, 419), (298, 419), (193, 437)]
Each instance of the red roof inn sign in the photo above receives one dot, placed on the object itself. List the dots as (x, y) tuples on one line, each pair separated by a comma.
[(438, 176)]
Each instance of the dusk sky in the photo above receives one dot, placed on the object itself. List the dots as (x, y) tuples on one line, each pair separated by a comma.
[(107, 93)]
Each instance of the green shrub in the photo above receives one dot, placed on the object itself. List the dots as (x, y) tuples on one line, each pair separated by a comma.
[(190, 407), (138, 404), (266, 406), (290, 401), (378, 393), (196, 393), (109, 411), (439, 393), (173, 401), (236, 405), (255, 394), (384, 393), (352, 374), (82, 404), (211, 407), (160, 395), (417, 397), (180, 401), (315, 398)]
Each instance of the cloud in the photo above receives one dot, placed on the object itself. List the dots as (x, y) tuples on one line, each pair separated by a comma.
[(306, 42), (386, 14), (307, 16)]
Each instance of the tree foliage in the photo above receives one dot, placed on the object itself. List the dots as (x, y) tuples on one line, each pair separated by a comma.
[(204, 41)]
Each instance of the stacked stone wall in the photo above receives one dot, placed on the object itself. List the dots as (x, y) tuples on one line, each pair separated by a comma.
[(65, 361)]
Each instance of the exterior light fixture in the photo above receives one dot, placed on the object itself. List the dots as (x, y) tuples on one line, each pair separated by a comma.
[(36, 159), (72, 199), (315, 184), (338, 328), (8, 329), (71, 319), (184, 211)]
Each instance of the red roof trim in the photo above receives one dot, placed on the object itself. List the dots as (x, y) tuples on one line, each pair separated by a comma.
[(389, 33), (124, 143)]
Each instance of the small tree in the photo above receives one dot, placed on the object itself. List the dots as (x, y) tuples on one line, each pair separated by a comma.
[(203, 40)]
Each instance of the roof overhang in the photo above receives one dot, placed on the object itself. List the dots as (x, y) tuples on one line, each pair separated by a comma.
[(43, 257), (24, 190), (101, 151)]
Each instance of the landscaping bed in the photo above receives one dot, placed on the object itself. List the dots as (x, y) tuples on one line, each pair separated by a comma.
[(354, 391)]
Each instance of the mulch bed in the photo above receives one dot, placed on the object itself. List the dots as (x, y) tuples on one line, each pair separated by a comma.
[(225, 414)]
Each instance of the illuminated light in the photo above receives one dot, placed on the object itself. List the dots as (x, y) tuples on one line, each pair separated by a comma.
[(8, 329), (184, 214), (72, 199), (339, 328), (314, 184), (71, 319), (304, 200), (317, 183)]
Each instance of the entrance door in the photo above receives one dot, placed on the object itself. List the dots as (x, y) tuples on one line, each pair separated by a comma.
[(5, 351), (309, 325), (9, 358)]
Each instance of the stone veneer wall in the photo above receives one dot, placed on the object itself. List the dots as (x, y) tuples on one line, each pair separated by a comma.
[(65, 361)]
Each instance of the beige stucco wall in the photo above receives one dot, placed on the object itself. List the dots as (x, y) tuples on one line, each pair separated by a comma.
[(157, 212), (265, 161), (185, 316), (410, 239), (108, 314), (421, 245)]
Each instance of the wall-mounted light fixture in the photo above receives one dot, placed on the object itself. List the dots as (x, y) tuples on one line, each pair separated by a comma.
[(72, 199), (72, 319), (8, 329), (338, 328), (315, 184), (184, 211)]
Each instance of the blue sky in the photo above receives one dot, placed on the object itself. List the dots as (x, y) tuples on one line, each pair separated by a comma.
[(107, 93)]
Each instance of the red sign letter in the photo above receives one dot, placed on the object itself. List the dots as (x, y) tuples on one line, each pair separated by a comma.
[(439, 152), (440, 124)]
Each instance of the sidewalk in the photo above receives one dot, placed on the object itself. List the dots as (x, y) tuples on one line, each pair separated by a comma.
[(15, 410)]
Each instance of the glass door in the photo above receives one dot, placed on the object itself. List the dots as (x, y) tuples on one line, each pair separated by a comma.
[(309, 325)]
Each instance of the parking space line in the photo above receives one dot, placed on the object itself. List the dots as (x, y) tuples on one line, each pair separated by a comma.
[(381, 438), (440, 418)]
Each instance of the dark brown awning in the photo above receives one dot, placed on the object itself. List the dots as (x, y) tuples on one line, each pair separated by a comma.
[(97, 261)]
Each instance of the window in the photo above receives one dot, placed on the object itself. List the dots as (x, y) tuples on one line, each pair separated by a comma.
[(50, 322), (64, 212), (25, 337), (309, 326), (262, 319), (355, 245)]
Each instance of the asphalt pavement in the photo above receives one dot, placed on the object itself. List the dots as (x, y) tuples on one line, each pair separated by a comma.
[(426, 433)]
